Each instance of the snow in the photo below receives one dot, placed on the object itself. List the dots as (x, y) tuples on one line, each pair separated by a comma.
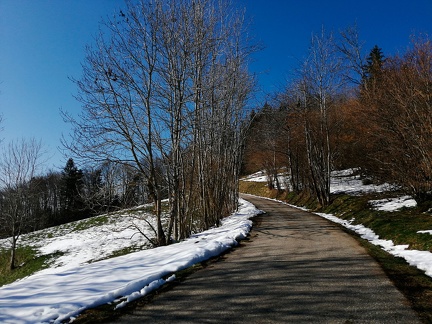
[(256, 177), (81, 244), (57, 294), (348, 182), (393, 204), (260, 176), (425, 232)]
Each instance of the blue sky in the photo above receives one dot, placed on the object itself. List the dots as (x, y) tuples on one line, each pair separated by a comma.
[(42, 45)]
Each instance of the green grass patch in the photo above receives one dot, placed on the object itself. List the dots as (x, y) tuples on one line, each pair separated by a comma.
[(27, 261), (301, 199), (91, 222), (147, 209), (127, 250), (261, 189)]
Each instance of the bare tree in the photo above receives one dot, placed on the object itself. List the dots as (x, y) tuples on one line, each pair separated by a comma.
[(351, 50), (119, 99), (292, 105), (399, 109), (320, 81), (19, 164), (153, 90)]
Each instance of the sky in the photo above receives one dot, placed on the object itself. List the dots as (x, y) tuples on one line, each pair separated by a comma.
[(42, 46), (73, 283)]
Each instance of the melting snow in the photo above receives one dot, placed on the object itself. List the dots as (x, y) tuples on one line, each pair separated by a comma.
[(54, 295), (393, 204)]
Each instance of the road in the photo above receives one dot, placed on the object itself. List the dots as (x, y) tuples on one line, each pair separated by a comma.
[(295, 268)]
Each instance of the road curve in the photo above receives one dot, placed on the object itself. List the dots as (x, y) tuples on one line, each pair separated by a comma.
[(296, 268)]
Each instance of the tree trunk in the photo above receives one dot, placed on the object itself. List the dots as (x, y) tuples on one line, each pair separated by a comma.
[(12, 265)]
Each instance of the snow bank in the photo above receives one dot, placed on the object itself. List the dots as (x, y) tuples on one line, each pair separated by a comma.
[(54, 296)]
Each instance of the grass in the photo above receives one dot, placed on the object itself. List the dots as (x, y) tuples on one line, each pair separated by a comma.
[(90, 222), (148, 208), (261, 189), (28, 263), (399, 226), (127, 250)]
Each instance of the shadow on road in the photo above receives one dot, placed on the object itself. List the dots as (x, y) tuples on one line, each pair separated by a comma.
[(296, 267)]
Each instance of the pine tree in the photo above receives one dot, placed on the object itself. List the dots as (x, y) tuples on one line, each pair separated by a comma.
[(373, 68), (72, 182)]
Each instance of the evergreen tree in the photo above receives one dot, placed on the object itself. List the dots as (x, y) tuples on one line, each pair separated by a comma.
[(373, 68), (71, 186)]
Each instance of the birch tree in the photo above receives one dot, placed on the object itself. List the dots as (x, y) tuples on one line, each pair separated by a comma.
[(320, 82)]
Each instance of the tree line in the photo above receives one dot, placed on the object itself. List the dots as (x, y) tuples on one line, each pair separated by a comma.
[(30, 201), (344, 110)]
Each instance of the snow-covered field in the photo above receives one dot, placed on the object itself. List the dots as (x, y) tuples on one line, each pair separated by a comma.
[(348, 182), (58, 293), (88, 240)]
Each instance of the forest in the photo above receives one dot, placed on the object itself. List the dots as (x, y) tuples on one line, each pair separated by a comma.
[(164, 93)]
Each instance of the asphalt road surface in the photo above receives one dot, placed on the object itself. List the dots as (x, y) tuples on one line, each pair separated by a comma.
[(295, 268)]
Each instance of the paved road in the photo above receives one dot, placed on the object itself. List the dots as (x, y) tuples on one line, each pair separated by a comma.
[(296, 267)]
